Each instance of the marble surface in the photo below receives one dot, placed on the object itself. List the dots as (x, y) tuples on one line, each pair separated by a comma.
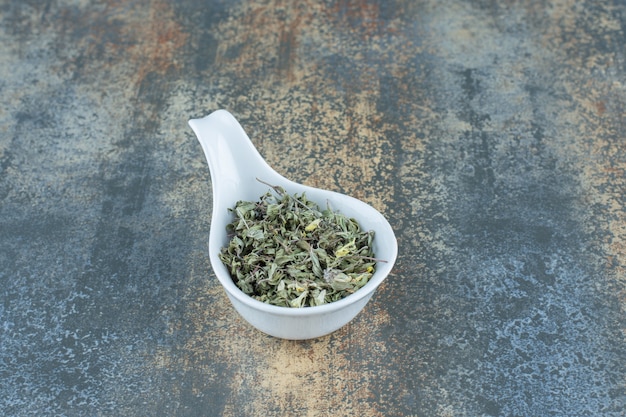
[(491, 134)]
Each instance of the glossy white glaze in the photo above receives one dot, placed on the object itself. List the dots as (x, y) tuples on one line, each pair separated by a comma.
[(235, 164)]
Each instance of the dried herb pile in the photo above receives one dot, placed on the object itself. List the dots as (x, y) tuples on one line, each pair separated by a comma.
[(286, 251)]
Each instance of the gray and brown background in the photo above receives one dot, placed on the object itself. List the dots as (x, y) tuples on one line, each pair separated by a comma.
[(492, 135)]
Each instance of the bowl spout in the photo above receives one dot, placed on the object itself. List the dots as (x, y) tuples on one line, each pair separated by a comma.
[(233, 160)]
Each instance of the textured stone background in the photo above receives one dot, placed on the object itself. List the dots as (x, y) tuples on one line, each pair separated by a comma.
[(491, 134)]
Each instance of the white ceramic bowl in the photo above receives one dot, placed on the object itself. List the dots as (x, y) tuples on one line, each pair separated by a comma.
[(235, 164)]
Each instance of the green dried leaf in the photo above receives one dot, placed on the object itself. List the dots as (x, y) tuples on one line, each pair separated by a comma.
[(284, 250)]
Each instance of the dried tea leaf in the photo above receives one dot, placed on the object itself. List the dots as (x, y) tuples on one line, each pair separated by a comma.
[(286, 251)]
